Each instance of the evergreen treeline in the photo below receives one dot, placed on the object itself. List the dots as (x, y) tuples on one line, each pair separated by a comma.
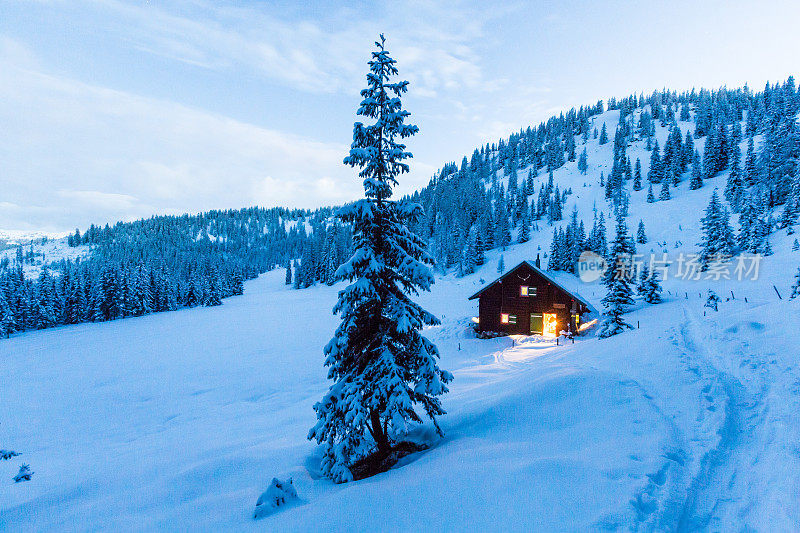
[(168, 262)]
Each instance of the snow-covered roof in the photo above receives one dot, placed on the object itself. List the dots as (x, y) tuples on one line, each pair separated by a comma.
[(542, 273)]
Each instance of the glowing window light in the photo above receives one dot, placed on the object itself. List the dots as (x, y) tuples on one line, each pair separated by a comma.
[(550, 325), (527, 290), (587, 325), (504, 318)]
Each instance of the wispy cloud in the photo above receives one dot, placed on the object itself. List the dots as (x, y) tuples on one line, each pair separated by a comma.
[(433, 43), (74, 153)]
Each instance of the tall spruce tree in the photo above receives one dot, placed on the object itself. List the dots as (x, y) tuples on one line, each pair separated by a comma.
[(641, 236), (696, 180), (650, 196), (637, 176), (616, 278), (718, 241), (381, 365)]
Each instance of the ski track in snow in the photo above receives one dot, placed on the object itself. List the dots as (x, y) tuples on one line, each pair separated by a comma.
[(719, 493)]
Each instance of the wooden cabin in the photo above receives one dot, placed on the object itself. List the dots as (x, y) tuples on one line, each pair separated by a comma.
[(526, 301)]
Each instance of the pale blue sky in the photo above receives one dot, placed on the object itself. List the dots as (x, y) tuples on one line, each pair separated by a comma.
[(116, 110)]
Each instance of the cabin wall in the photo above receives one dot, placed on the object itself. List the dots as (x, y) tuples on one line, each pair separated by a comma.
[(504, 297)]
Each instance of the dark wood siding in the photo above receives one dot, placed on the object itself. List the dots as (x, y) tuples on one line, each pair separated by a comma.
[(503, 297)]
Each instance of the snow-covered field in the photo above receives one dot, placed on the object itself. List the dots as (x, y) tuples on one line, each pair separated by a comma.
[(178, 421)]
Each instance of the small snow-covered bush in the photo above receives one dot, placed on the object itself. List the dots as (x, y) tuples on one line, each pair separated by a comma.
[(7, 454), (713, 301), (24, 473), (278, 494)]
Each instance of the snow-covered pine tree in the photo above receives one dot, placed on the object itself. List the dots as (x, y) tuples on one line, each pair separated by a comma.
[(380, 363), (664, 194), (696, 180), (603, 135), (501, 265), (649, 288), (7, 454), (213, 294), (288, 272), (297, 282), (619, 294), (712, 301), (525, 229), (641, 237), (796, 285), (637, 176), (718, 241), (750, 168), (6, 317), (651, 198), (656, 171), (24, 473)]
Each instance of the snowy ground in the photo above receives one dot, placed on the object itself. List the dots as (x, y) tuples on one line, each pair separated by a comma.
[(179, 421)]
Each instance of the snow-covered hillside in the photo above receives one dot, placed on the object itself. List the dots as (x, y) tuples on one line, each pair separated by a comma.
[(41, 252), (180, 420)]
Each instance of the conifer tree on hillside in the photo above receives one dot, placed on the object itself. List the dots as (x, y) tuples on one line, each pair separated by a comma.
[(656, 171), (718, 240), (664, 194), (288, 279), (619, 294), (603, 135), (6, 317), (583, 164), (649, 288), (381, 365), (641, 237), (651, 198), (750, 170), (637, 176), (696, 180), (796, 285)]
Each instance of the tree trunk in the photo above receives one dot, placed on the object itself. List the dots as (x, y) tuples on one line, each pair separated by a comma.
[(378, 433)]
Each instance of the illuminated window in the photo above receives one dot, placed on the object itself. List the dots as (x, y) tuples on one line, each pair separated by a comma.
[(525, 290), (504, 318), (550, 328), (512, 319)]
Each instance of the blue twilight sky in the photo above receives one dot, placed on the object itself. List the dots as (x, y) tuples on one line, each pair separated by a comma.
[(116, 110)]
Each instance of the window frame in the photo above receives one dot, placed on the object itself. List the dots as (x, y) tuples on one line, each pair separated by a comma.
[(529, 291)]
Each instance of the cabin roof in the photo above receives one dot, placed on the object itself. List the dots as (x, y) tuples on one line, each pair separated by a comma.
[(539, 271)]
